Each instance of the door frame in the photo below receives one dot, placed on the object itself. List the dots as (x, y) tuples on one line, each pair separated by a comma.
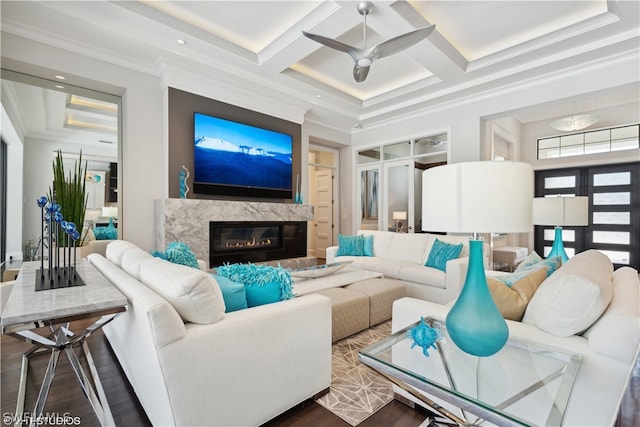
[(335, 223)]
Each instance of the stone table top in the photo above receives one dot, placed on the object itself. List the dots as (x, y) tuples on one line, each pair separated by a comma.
[(27, 307)]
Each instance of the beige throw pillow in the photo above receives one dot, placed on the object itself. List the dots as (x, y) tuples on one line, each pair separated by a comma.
[(512, 301)]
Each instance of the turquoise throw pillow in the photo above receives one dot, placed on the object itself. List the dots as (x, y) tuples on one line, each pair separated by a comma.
[(368, 245), (110, 232), (350, 245), (551, 265), (179, 253), (442, 252), (158, 254), (263, 283), (532, 259), (233, 293), (261, 294)]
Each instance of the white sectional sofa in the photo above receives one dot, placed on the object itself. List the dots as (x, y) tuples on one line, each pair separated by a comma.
[(609, 347), (235, 369), (402, 256)]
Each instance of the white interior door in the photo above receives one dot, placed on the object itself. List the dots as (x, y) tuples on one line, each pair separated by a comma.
[(323, 209)]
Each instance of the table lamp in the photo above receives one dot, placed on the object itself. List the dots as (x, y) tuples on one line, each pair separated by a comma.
[(560, 211), (477, 197), (110, 211), (398, 217)]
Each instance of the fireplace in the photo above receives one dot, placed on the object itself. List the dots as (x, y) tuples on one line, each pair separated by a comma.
[(256, 241)]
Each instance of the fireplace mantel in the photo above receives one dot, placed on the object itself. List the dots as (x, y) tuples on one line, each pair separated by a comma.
[(187, 220)]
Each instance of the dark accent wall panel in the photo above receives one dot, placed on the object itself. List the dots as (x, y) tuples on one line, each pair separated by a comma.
[(182, 106)]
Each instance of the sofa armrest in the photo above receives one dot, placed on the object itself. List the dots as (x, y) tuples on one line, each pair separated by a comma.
[(273, 356), (456, 272), (332, 251)]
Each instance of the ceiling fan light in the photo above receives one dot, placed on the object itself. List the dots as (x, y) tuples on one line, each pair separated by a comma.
[(364, 62), (573, 123)]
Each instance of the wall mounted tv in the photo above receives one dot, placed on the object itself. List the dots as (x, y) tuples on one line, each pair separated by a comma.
[(235, 159)]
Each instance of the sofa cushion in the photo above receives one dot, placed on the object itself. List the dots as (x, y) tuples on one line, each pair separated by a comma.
[(407, 247), (132, 259), (442, 252), (116, 249), (572, 298), (512, 301), (422, 275), (233, 293), (381, 241), (193, 293), (350, 245), (617, 332)]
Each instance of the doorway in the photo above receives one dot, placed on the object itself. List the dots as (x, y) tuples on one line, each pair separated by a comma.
[(322, 195)]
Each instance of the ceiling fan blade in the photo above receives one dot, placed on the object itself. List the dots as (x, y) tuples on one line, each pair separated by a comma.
[(333, 44), (360, 73), (401, 42)]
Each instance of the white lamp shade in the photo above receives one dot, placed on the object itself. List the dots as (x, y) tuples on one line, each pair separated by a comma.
[(478, 197), (110, 211), (399, 215), (560, 211)]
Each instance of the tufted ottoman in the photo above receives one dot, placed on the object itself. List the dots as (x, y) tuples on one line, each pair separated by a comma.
[(381, 294), (349, 312)]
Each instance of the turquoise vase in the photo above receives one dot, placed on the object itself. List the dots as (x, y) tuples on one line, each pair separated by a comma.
[(558, 247), (474, 322)]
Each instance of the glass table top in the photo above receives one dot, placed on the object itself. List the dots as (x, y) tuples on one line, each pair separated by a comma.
[(522, 384)]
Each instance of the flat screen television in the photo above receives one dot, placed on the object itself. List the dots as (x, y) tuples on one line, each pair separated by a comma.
[(235, 159)]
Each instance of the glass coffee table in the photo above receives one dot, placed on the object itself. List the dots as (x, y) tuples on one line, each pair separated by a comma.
[(522, 384)]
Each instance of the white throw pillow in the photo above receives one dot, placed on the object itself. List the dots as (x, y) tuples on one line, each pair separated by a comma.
[(132, 259), (193, 293), (573, 297)]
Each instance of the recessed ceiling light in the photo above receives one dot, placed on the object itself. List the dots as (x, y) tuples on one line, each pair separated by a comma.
[(59, 86), (60, 77), (182, 42)]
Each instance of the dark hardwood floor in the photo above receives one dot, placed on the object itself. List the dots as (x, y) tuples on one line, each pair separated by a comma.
[(66, 396)]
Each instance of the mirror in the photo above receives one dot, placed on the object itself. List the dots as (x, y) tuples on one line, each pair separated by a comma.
[(45, 116), (369, 200)]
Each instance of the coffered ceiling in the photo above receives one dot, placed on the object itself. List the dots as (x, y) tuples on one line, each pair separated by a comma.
[(477, 46)]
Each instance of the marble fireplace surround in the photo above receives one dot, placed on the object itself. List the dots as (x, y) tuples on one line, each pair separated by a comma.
[(187, 220)]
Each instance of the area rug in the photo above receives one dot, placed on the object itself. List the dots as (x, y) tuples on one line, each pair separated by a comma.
[(357, 391)]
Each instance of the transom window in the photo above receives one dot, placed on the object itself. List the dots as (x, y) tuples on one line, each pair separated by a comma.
[(590, 142)]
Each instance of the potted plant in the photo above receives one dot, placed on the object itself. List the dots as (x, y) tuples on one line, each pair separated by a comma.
[(69, 192)]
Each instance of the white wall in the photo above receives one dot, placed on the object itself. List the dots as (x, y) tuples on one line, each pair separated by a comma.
[(143, 154)]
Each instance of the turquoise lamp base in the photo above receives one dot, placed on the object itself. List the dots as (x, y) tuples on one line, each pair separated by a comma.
[(558, 246), (474, 322)]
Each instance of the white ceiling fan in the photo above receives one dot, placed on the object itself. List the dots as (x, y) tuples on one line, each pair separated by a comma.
[(364, 56)]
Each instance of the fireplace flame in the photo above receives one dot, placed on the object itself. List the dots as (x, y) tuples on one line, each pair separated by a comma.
[(253, 243)]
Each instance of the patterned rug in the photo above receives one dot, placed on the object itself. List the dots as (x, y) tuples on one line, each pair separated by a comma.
[(356, 390)]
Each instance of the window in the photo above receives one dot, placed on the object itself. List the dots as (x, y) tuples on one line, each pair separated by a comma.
[(591, 142), (614, 210)]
